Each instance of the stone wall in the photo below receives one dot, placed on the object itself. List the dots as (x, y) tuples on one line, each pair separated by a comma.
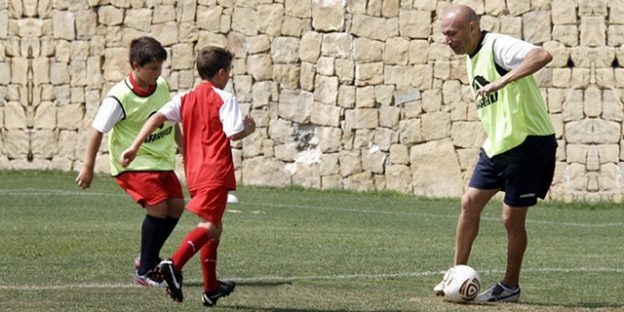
[(355, 94)]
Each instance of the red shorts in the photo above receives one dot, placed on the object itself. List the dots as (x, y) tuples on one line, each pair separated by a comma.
[(149, 188), (209, 203)]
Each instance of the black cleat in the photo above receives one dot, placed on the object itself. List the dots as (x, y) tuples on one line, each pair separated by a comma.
[(224, 289), (172, 278)]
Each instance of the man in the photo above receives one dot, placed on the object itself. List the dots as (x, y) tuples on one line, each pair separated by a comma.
[(518, 156)]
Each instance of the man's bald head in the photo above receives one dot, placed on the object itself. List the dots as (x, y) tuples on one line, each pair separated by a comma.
[(460, 26), (462, 13)]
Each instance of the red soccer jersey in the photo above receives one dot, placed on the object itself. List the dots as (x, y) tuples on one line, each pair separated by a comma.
[(208, 116)]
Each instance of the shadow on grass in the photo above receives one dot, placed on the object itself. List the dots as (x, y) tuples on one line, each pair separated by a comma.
[(251, 308), (589, 305), (248, 283)]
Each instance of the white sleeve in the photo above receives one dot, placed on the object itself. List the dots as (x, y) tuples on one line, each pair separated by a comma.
[(172, 110), (109, 113), (509, 52), (230, 114)]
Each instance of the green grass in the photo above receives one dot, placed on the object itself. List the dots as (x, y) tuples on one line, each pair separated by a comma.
[(65, 249)]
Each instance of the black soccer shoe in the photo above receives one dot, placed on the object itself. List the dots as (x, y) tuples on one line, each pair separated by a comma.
[(224, 289), (173, 279)]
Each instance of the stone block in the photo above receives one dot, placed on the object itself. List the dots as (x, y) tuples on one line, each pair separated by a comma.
[(264, 171), (612, 106), (384, 138), (615, 35), (384, 94), (306, 175), (45, 116), (16, 143), (361, 118), (467, 134), (270, 18), (616, 12), (374, 27), (337, 45), (295, 105), (396, 51), (415, 24), (325, 115), (255, 44), (245, 20), (15, 116), (588, 131), (285, 50), (310, 46), (536, 26), (495, 7), (410, 131), (350, 163), (566, 34), (389, 116), (298, 8), (328, 142), (328, 16), (396, 177), (592, 7), (360, 182), (369, 73), (435, 169), (564, 12), (365, 97), (209, 18), (373, 161), (593, 31)]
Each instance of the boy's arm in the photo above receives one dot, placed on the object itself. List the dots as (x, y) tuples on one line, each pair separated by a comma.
[(85, 176), (250, 127), (179, 139), (150, 125)]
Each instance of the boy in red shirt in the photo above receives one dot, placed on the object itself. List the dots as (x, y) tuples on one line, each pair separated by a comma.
[(210, 118)]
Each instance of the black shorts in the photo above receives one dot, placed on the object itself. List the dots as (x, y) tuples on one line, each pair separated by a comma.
[(524, 173)]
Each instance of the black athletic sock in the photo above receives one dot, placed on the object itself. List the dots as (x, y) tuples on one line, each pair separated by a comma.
[(150, 242), (168, 225)]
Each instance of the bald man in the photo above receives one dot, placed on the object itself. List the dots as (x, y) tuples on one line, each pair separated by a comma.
[(518, 156)]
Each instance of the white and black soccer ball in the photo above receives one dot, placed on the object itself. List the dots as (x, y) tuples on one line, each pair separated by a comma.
[(461, 284)]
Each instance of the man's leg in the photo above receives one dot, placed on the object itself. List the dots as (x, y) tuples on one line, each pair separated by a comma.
[(514, 219), (472, 204)]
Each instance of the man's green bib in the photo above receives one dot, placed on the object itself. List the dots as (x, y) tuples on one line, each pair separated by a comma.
[(157, 152), (512, 113)]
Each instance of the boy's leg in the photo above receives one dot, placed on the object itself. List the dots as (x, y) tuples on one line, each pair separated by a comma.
[(208, 257), (151, 232), (175, 207)]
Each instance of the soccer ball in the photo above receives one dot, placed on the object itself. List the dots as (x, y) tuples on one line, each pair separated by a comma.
[(461, 284)]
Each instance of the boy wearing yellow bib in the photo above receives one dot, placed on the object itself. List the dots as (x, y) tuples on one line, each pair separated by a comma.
[(150, 181)]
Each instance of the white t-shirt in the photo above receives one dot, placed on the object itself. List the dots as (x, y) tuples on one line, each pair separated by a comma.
[(509, 52), (229, 113), (109, 113)]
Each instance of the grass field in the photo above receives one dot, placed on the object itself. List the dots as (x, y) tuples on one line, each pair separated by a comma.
[(65, 249)]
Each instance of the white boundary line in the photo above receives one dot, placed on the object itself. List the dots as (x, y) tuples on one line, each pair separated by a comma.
[(34, 191), (280, 279)]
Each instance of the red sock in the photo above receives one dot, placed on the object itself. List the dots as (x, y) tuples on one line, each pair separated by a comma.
[(192, 243), (208, 258)]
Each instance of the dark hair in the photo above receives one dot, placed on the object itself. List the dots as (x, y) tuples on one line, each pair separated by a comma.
[(144, 50), (211, 59)]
